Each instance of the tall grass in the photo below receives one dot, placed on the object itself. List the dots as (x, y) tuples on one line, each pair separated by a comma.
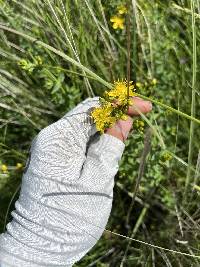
[(194, 70), (155, 215)]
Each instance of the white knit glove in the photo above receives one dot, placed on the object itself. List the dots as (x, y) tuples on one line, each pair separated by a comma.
[(66, 193)]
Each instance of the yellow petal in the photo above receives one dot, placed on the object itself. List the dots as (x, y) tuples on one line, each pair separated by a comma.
[(112, 19), (124, 117), (115, 26), (121, 26)]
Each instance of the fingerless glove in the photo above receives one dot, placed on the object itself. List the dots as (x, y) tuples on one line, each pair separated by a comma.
[(66, 193)]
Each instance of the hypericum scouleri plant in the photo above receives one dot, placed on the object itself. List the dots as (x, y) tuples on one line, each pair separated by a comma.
[(106, 115)]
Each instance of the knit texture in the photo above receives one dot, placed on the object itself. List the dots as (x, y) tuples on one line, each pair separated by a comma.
[(66, 193)]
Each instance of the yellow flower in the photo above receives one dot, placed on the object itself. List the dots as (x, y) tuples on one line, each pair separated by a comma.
[(106, 115), (122, 9), (118, 22), (154, 81), (119, 92), (4, 168), (124, 117), (19, 165), (102, 117)]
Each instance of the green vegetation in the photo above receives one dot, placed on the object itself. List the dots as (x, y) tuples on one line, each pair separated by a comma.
[(56, 53)]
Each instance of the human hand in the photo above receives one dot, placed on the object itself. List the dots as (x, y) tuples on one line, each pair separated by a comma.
[(66, 193)]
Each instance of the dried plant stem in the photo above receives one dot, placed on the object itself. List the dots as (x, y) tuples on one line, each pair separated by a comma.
[(147, 146), (137, 225), (128, 36), (194, 70), (145, 152), (134, 53)]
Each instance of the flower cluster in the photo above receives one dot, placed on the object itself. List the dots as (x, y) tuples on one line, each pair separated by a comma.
[(19, 166), (152, 82), (28, 65), (120, 92), (139, 125), (4, 168), (147, 87), (113, 105), (165, 156), (118, 20)]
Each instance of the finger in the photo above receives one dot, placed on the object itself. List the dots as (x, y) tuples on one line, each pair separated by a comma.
[(138, 103), (121, 128)]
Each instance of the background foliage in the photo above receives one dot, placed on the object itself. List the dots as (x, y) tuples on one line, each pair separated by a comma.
[(38, 86)]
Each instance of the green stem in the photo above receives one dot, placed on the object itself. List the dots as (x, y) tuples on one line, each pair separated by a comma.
[(191, 118), (61, 54)]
